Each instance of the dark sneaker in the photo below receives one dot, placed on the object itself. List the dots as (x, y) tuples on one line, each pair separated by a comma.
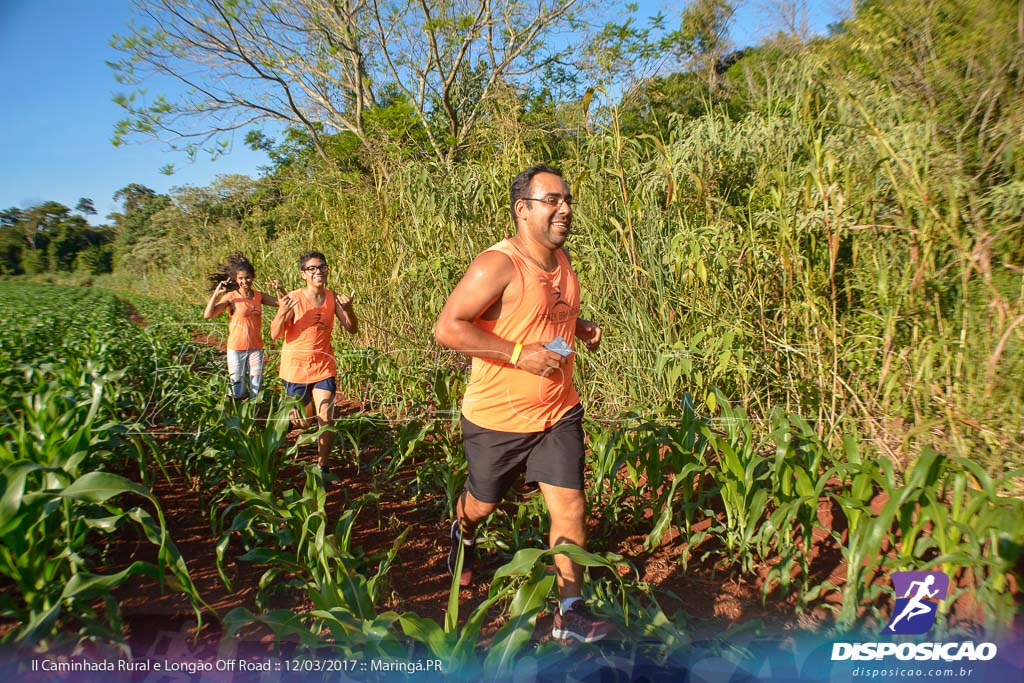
[(580, 624), (326, 474), (468, 556)]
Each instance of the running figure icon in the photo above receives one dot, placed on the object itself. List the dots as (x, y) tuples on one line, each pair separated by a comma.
[(915, 607)]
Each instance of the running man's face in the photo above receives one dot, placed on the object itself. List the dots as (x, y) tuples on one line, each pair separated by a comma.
[(314, 271), (547, 214)]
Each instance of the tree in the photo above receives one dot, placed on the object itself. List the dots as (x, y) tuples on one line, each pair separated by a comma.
[(11, 216), (133, 196), (95, 260), (790, 18), (46, 236), (85, 206), (702, 38), (133, 225), (41, 222), (319, 65), (71, 237), (954, 59), (451, 57), (633, 55), (158, 240), (651, 105), (627, 50), (12, 244)]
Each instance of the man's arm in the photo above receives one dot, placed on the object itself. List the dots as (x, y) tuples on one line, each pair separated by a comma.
[(285, 316), (345, 314), (482, 287)]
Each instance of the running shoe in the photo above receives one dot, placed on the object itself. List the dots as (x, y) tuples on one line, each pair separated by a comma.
[(468, 558), (579, 624)]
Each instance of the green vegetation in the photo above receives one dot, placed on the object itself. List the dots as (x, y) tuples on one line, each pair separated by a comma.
[(808, 260), (67, 432), (740, 496), (816, 231), (48, 238)]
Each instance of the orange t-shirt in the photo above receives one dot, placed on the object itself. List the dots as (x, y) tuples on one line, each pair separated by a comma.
[(244, 325), (504, 398), (307, 355)]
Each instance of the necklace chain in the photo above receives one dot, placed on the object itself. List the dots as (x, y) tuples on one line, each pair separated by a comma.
[(530, 258)]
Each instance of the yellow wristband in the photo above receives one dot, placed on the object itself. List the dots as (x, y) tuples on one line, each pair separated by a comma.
[(514, 360)]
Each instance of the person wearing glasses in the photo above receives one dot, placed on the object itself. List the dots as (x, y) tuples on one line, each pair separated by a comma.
[(306, 319), (232, 291), (516, 314)]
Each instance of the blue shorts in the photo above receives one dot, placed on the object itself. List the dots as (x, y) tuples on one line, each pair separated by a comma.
[(305, 391)]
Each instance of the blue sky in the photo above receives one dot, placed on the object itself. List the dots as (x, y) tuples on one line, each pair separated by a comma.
[(57, 115)]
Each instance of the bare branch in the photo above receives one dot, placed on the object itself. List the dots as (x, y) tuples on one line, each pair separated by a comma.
[(318, 64)]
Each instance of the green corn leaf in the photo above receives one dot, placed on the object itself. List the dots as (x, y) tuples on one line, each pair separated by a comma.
[(282, 623), (528, 601), (439, 642), (13, 480), (97, 487)]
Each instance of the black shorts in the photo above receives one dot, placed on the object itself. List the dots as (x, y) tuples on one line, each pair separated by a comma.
[(495, 459)]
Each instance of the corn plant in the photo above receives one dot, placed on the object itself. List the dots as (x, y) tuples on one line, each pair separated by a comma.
[(662, 460), (798, 481), (58, 506), (996, 564), (257, 453), (50, 522), (680, 457), (741, 475), (512, 530), (360, 432), (860, 479), (963, 518), (291, 538), (425, 436), (289, 531), (605, 460), (526, 581), (868, 533)]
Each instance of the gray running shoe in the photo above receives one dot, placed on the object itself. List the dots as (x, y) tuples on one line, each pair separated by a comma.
[(579, 624)]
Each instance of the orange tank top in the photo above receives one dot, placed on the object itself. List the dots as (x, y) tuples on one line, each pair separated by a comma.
[(504, 398), (244, 325), (307, 355)]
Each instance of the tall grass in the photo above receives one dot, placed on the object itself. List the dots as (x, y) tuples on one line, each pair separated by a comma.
[(823, 253)]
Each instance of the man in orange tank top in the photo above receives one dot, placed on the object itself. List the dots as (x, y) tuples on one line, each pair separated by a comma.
[(305, 319), (521, 412)]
